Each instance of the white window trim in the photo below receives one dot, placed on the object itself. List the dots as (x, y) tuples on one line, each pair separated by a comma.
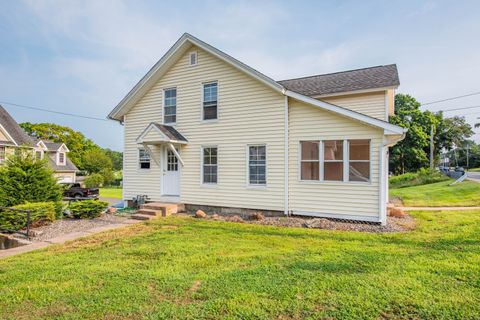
[(41, 154), (64, 159), (346, 161), (4, 154), (203, 99), (138, 160), (190, 58), (163, 106), (300, 161), (247, 173), (210, 184)]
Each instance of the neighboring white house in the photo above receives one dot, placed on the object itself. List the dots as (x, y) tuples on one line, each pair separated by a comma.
[(203, 129), (13, 137)]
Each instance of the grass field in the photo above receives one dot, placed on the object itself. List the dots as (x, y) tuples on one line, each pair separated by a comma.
[(111, 193), (438, 194), (474, 170), (183, 268)]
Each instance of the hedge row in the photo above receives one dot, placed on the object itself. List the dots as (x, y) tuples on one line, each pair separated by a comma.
[(87, 208), (39, 212)]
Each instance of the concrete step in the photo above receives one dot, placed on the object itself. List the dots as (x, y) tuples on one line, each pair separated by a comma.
[(138, 216), (166, 209), (150, 212)]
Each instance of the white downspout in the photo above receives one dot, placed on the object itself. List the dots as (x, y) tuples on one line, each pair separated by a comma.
[(286, 210)]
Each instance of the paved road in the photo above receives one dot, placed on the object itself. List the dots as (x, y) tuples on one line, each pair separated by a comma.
[(475, 176)]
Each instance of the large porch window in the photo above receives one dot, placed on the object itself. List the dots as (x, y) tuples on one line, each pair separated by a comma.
[(335, 160)]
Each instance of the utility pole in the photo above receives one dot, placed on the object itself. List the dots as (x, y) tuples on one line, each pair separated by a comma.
[(468, 148), (431, 148)]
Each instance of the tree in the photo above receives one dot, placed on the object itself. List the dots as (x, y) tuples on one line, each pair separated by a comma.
[(94, 180), (116, 157), (26, 179), (409, 154), (74, 140), (412, 153), (95, 161)]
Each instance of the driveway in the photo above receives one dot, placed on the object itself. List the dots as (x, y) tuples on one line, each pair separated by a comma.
[(474, 176)]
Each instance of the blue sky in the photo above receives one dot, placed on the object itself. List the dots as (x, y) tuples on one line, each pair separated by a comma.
[(83, 56)]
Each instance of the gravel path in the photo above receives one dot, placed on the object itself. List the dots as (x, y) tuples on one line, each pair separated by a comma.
[(66, 226)]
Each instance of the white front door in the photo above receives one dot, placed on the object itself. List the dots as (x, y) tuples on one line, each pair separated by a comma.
[(171, 174)]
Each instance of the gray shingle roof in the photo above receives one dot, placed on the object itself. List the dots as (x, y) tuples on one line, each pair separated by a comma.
[(170, 132), (345, 81), (13, 129), (69, 166)]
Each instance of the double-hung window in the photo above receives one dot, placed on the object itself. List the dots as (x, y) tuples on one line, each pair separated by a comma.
[(38, 155), (170, 106), (143, 159), (2, 154), (210, 101), (210, 165), (335, 160), (257, 165), (61, 158)]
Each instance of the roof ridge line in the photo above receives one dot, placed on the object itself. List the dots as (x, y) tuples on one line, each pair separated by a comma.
[(344, 71)]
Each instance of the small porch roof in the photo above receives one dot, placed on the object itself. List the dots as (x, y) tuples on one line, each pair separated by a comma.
[(156, 133)]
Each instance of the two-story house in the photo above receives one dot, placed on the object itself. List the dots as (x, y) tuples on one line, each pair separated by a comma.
[(204, 129), (13, 137)]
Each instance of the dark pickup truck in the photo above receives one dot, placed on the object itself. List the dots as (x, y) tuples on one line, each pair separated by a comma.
[(74, 190)]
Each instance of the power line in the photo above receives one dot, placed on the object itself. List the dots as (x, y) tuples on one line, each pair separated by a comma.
[(453, 98), (445, 110), (52, 111)]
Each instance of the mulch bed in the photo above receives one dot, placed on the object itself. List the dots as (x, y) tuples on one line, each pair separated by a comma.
[(406, 223)]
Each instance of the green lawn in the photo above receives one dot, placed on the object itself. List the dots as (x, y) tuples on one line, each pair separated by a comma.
[(111, 193), (466, 193), (183, 268), (474, 170)]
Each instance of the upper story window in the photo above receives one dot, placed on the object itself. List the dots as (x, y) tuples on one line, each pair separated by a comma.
[(143, 159), (210, 165), (193, 58), (2, 154), (210, 100), (61, 158), (257, 165), (170, 106)]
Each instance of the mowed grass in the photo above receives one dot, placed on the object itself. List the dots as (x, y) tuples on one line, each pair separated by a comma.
[(185, 268), (111, 193), (440, 194)]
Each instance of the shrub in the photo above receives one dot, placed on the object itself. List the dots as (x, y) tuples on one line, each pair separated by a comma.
[(25, 179), (87, 209), (39, 211), (93, 181), (108, 176), (421, 177)]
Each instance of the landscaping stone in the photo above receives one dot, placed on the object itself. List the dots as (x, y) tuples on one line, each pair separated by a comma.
[(318, 223), (200, 214), (396, 212), (235, 218), (258, 216), (215, 216)]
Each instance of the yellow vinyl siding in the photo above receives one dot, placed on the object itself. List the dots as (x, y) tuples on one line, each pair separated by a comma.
[(248, 113), (372, 103), (391, 101), (341, 198)]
